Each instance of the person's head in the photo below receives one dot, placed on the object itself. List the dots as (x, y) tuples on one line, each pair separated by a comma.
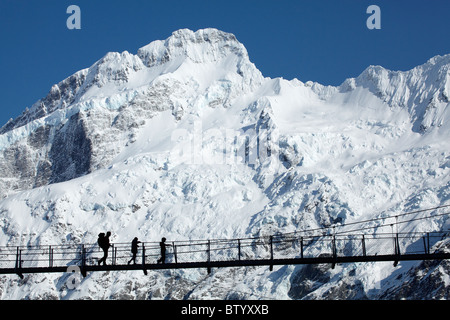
[(108, 233), (136, 238), (163, 239)]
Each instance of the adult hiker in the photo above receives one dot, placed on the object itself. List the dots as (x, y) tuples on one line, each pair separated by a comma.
[(103, 242), (163, 245), (134, 249)]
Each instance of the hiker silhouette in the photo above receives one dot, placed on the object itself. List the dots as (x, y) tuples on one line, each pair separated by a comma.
[(163, 250), (134, 249), (103, 242)]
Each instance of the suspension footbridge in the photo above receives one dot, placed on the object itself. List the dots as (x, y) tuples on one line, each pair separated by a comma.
[(324, 245)]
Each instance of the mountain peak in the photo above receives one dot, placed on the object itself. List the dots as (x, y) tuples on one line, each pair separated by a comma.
[(424, 90), (204, 45), (118, 72)]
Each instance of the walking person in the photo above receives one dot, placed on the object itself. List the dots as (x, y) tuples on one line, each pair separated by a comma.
[(134, 249), (163, 245), (103, 242)]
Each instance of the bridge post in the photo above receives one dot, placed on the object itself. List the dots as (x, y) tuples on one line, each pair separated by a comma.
[(271, 253), (50, 256), (333, 244), (83, 261), (425, 250), (396, 249), (143, 259), (18, 266), (239, 249), (363, 246), (301, 247), (209, 255), (174, 252)]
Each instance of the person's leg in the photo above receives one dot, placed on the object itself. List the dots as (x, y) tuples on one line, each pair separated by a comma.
[(105, 256)]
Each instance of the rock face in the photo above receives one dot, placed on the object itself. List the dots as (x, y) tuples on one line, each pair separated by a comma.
[(427, 280), (186, 139), (71, 151)]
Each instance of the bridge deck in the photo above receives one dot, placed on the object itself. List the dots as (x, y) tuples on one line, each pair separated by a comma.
[(232, 263)]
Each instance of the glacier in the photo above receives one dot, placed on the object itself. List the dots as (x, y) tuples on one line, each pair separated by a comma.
[(187, 139)]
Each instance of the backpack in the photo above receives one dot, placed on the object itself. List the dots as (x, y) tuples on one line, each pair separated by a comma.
[(101, 240)]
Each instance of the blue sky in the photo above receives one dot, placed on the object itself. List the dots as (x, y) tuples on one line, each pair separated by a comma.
[(320, 40)]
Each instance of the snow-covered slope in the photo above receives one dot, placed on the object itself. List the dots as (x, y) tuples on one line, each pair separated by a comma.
[(154, 144)]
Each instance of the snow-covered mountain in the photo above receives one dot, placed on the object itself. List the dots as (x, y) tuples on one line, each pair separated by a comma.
[(187, 139)]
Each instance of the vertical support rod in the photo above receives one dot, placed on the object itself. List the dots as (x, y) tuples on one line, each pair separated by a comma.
[(83, 260), (428, 240), (301, 247), (143, 258), (209, 255), (363, 246), (208, 251), (397, 244), (425, 250), (50, 258), (397, 249), (239, 249), (83, 255), (175, 252), (333, 244), (271, 253), (19, 263)]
